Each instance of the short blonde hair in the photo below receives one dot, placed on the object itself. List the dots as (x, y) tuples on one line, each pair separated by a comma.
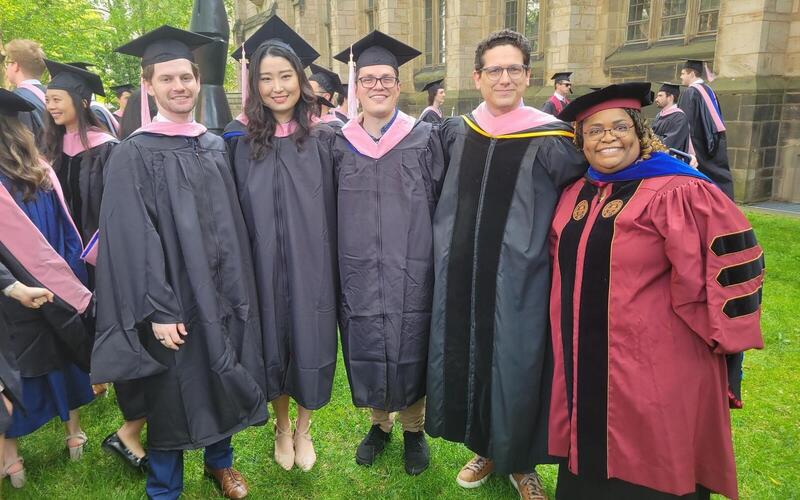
[(28, 54)]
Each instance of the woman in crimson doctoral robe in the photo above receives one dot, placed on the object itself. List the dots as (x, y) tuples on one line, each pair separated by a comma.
[(44, 294), (283, 167), (657, 276)]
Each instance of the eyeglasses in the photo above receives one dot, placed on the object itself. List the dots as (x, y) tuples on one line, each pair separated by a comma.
[(619, 130), (566, 84), (515, 71), (387, 82)]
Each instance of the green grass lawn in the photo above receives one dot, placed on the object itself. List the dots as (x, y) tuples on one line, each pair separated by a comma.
[(767, 430)]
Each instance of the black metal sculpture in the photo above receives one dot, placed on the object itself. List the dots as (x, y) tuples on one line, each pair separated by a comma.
[(210, 19)]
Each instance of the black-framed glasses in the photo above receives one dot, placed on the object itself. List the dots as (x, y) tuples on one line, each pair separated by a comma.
[(387, 82), (515, 71), (566, 84), (619, 130)]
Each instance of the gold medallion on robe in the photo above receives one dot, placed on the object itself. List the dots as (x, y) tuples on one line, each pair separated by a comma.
[(612, 208), (580, 210)]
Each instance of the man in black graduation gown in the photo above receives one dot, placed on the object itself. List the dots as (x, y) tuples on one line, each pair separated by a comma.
[(326, 84), (175, 290), (558, 101), (388, 175), (671, 124), (706, 126), (490, 361), (24, 68)]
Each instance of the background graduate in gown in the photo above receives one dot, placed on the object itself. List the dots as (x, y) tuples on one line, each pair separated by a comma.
[(706, 125), (44, 294), (435, 94), (24, 69), (326, 84)]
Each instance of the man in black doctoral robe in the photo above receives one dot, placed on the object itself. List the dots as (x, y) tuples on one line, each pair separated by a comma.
[(388, 174), (175, 291), (490, 361), (706, 126)]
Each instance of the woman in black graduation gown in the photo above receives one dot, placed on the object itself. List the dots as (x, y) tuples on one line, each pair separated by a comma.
[(42, 279), (284, 177), (75, 142)]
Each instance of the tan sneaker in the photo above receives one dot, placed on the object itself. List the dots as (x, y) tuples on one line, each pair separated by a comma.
[(475, 473), (529, 486)]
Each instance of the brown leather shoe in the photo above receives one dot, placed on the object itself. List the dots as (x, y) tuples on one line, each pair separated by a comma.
[(230, 481)]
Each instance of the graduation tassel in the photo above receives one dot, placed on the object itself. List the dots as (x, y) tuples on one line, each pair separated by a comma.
[(352, 103), (244, 77), (144, 106)]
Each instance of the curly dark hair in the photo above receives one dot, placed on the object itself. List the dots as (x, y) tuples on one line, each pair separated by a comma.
[(262, 125), (648, 140), (503, 37), (54, 134)]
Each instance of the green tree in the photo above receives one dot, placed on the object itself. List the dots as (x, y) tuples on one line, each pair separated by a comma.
[(90, 30)]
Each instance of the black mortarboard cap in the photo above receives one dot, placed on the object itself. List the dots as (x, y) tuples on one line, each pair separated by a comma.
[(164, 44), (74, 79), (11, 103), (561, 76), (275, 30), (696, 65), (433, 86), (119, 89), (81, 64), (670, 88), (378, 49), (633, 95), (324, 102), (327, 79)]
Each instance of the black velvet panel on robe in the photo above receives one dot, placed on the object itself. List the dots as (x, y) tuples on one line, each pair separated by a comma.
[(490, 358), (385, 217), (81, 179), (289, 205), (174, 249), (592, 331)]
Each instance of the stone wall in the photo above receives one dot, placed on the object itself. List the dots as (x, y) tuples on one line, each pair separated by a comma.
[(756, 54)]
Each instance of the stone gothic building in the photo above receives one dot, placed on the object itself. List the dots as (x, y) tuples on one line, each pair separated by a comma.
[(752, 45)]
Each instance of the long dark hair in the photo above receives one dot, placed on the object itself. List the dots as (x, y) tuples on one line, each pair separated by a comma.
[(54, 134), (262, 123), (132, 116), (19, 159)]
